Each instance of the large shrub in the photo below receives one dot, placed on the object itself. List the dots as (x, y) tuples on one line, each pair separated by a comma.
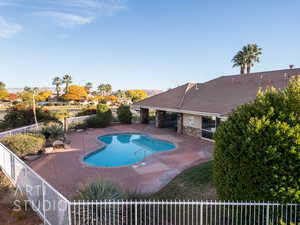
[(257, 150), (23, 144), (95, 122), (124, 114), (22, 115), (104, 115)]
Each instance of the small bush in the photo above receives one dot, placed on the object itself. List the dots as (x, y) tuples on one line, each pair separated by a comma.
[(104, 115), (24, 144), (124, 114), (52, 130)]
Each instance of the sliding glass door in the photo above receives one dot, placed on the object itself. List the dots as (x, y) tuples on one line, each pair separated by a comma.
[(209, 126)]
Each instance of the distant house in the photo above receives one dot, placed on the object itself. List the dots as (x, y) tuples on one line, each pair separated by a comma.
[(201, 106)]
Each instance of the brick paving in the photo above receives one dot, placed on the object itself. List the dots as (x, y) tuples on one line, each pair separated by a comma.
[(65, 170)]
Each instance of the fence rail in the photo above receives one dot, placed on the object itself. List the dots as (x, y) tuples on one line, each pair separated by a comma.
[(68, 122), (55, 209), (24, 129)]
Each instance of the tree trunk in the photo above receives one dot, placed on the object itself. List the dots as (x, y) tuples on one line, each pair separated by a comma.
[(242, 70), (248, 69), (57, 93), (34, 109)]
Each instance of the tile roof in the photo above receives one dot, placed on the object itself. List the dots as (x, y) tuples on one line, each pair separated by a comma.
[(220, 95)]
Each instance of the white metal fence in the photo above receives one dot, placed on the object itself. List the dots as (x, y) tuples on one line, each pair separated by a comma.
[(52, 206), (55, 209), (183, 213), (25, 129)]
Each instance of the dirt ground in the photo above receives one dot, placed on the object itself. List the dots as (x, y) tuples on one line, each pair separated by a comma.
[(7, 215)]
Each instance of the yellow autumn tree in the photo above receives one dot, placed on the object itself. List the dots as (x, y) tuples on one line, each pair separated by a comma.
[(43, 95), (75, 93), (4, 94), (136, 95)]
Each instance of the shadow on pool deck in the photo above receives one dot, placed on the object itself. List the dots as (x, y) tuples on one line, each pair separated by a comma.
[(65, 170)]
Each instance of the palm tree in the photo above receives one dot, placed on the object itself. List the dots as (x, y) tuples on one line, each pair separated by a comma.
[(57, 82), (88, 86), (103, 89), (67, 79), (239, 60), (252, 53), (247, 57), (108, 89)]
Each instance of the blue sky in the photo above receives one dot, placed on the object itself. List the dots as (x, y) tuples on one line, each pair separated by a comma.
[(150, 44)]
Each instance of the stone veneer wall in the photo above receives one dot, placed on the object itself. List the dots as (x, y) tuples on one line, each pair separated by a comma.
[(191, 131), (160, 118), (192, 125)]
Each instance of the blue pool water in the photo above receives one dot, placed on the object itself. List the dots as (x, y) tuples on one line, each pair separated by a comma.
[(126, 149)]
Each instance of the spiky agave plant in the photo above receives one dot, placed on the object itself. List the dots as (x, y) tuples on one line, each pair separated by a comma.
[(106, 212)]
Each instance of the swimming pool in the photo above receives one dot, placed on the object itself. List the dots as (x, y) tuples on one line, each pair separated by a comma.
[(126, 149)]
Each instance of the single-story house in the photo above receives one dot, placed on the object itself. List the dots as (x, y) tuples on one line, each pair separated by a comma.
[(201, 106)]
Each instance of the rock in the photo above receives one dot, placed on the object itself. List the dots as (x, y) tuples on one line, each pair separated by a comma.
[(58, 144), (31, 157), (66, 146), (80, 130), (49, 149)]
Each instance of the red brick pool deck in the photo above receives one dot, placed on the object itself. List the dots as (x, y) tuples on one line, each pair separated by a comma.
[(65, 170)]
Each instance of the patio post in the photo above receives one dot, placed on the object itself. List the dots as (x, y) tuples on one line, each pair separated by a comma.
[(160, 118), (179, 123), (144, 114)]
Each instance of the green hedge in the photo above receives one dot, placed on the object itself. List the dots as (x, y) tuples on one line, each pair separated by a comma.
[(257, 150), (104, 115), (124, 114), (23, 144)]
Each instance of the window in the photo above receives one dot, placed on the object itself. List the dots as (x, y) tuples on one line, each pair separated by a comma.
[(209, 126)]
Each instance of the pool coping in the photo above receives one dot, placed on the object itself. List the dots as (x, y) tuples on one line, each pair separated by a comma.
[(103, 145)]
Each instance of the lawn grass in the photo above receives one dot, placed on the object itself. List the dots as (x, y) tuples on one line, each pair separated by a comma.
[(195, 183)]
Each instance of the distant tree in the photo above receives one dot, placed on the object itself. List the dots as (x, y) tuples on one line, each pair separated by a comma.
[(136, 95), (88, 87), (2, 86), (29, 95), (75, 93), (3, 92), (43, 95), (247, 57), (67, 80), (105, 89), (12, 97), (57, 82), (120, 94)]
